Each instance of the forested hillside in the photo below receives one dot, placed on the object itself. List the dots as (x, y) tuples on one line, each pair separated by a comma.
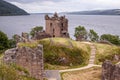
[(7, 9)]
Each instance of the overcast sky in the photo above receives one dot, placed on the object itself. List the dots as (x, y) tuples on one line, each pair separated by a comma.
[(43, 6)]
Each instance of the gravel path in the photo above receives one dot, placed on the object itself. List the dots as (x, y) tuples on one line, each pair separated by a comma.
[(93, 53), (52, 74)]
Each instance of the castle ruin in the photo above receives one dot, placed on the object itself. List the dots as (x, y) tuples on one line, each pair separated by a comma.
[(57, 26), (29, 58)]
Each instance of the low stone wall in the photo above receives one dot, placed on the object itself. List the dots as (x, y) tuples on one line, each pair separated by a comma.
[(29, 58), (110, 71)]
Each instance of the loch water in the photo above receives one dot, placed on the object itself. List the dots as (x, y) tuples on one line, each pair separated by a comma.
[(102, 24)]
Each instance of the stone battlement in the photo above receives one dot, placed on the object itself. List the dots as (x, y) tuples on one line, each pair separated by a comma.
[(56, 17)]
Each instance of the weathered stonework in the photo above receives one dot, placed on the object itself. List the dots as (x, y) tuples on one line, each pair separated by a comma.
[(110, 71), (29, 58), (23, 38), (41, 35), (57, 26)]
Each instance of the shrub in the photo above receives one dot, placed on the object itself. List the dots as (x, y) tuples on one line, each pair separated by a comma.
[(114, 39), (80, 33), (93, 35), (4, 42), (36, 29)]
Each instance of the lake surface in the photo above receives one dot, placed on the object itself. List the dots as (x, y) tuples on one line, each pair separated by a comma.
[(101, 24)]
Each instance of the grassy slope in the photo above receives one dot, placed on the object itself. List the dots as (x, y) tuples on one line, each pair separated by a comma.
[(75, 54), (56, 48), (105, 51), (93, 73)]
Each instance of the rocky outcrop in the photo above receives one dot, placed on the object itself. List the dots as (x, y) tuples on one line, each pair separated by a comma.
[(29, 58), (110, 71)]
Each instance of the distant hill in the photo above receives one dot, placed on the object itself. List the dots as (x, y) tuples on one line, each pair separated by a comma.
[(7, 9), (97, 12), (41, 13)]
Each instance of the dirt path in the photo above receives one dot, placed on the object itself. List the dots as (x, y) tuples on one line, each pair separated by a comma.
[(93, 53), (91, 60), (55, 75)]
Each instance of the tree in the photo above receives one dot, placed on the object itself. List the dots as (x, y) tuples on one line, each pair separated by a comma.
[(4, 42), (93, 35), (80, 33), (12, 43), (36, 29), (114, 39)]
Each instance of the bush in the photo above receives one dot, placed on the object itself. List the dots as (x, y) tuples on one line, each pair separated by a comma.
[(93, 35), (36, 29), (80, 33), (4, 42), (114, 39), (12, 43)]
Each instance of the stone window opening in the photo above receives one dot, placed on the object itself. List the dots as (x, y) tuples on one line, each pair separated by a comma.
[(53, 31), (62, 27), (64, 33), (53, 35), (13, 57), (26, 60), (62, 24), (50, 24)]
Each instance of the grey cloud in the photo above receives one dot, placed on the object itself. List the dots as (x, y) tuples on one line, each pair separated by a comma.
[(29, 1)]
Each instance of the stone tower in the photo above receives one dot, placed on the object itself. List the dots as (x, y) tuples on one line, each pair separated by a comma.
[(57, 26)]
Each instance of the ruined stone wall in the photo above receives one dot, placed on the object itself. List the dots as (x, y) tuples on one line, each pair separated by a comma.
[(110, 71), (40, 35), (29, 58)]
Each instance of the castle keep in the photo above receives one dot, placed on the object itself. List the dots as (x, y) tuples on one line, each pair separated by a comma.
[(56, 26)]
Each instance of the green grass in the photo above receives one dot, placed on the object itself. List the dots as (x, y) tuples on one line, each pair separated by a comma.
[(28, 44), (55, 52), (105, 51), (1, 56), (10, 72)]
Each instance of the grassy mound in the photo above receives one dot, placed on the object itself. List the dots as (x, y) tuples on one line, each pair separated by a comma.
[(93, 73), (62, 53), (105, 51)]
